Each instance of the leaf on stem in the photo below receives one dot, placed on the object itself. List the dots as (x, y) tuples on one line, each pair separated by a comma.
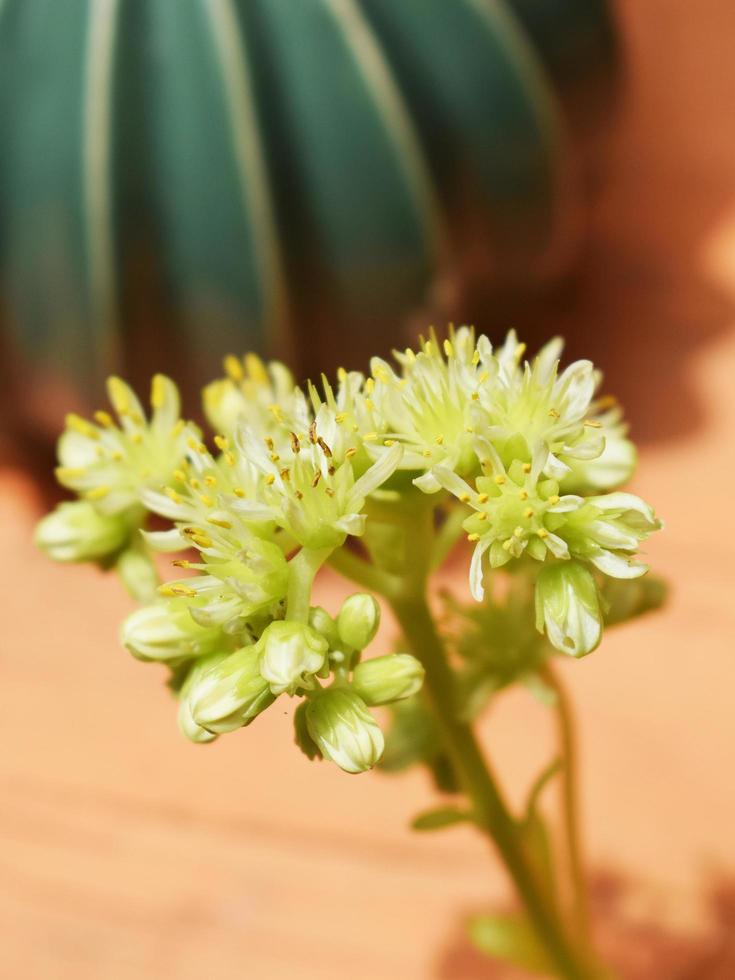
[(441, 817)]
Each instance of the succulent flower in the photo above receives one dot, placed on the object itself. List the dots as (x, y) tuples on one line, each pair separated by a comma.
[(110, 463), (252, 393), (307, 489)]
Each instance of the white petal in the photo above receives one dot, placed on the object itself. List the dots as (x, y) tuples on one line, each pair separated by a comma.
[(618, 566), (476, 574)]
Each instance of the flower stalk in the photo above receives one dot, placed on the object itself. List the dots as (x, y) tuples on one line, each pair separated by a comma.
[(459, 438)]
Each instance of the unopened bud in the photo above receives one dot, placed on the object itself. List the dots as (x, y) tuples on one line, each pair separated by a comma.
[(232, 694), (166, 631), (325, 625), (290, 653), (187, 725), (358, 620), (568, 608), (138, 574), (383, 680), (344, 730), (76, 531)]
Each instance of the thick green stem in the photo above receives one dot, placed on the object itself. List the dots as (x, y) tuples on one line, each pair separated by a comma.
[(302, 569), (490, 810), (568, 751)]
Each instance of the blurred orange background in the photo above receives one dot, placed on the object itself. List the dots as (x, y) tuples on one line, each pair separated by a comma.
[(127, 852)]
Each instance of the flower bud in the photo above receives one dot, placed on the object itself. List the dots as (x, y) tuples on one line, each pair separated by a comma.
[(568, 608), (325, 625), (383, 680), (344, 730), (187, 726), (290, 653), (138, 574), (76, 531), (165, 631), (231, 694), (358, 620)]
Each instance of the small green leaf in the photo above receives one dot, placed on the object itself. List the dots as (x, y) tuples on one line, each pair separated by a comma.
[(509, 938), (443, 816)]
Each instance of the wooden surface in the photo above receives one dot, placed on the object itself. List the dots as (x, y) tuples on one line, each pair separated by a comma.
[(126, 852)]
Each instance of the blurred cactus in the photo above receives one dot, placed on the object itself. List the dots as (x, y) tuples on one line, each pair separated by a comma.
[(191, 177)]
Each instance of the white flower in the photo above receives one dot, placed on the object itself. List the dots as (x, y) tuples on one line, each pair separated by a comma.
[(110, 464), (524, 406), (253, 393), (306, 489), (427, 408)]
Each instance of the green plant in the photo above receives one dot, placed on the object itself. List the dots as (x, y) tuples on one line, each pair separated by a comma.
[(379, 477)]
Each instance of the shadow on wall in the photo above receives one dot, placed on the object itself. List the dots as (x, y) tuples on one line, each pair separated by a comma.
[(645, 301), (637, 945)]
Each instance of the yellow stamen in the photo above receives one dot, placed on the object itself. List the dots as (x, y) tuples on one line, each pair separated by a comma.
[(82, 426), (219, 523), (542, 532), (499, 479), (104, 418), (173, 495), (97, 493), (528, 512), (473, 537)]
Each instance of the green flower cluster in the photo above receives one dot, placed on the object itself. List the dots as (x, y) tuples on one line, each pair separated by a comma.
[(523, 456)]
